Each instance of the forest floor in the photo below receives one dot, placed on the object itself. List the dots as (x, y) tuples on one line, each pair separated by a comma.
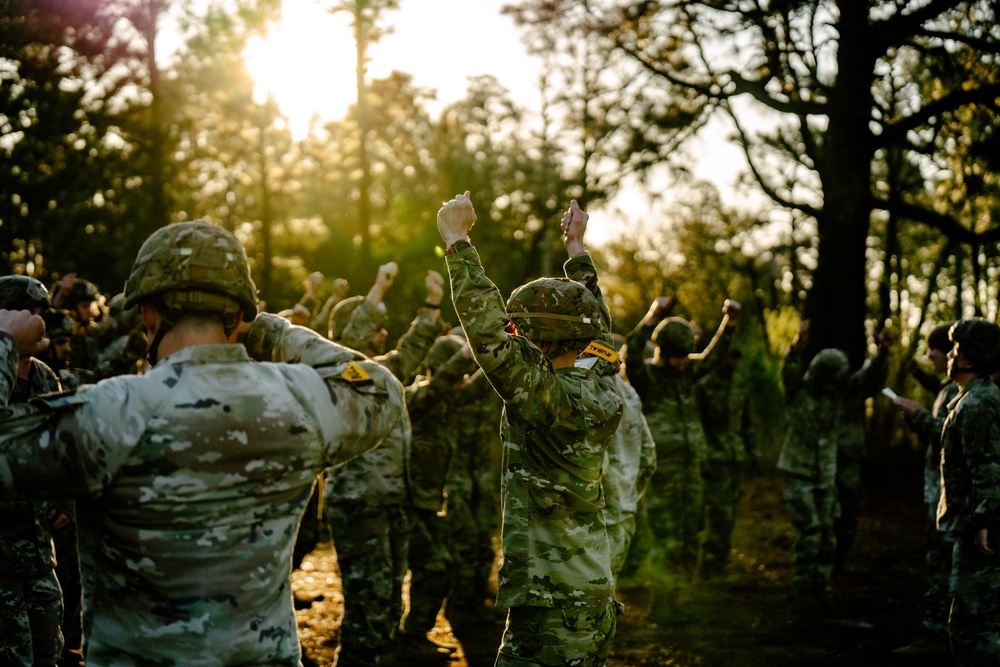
[(745, 617)]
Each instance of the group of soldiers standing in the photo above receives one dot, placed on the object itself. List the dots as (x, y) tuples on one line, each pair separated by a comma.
[(192, 467)]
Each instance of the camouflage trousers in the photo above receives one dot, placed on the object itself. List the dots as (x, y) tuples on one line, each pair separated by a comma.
[(621, 529), (558, 636), (937, 599), (849, 496), (812, 510), (675, 507), (371, 544), (430, 566), (974, 624), (30, 612), (722, 497), (470, 544)]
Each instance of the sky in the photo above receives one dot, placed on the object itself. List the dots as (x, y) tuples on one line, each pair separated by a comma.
[(307, 63)]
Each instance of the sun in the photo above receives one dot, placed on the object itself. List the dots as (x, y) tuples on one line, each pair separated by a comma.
[(306, 63)]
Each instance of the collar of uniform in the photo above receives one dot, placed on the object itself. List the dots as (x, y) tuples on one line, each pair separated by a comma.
[(207, 354)]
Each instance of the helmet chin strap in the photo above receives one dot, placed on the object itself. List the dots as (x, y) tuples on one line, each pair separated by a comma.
[(163, 327)]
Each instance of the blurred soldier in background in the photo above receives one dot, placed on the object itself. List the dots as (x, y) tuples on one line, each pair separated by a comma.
[(724, 406), (970, 493), (927, 424)]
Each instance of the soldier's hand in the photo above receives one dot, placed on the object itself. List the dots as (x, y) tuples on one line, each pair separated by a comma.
[(455, 218), (57, 521), (912, 366), (574, 226), (983, 541), (732, 308), (386, 275), (907, 406), (660, 308), (340, 287), (27, 329), (435, 287)]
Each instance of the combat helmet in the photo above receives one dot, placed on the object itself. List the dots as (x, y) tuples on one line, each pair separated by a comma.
[(22, 293), (979, 342), (82, 291), (194, 266), (674, 337), (829, 366), (442, 350), (555, 309), (58, 323), (342, 312)]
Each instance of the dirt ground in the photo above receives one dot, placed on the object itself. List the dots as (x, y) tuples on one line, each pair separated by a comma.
[(745, 617)]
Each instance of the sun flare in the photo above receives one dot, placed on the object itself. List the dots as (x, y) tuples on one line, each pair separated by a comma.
[(306, 63)]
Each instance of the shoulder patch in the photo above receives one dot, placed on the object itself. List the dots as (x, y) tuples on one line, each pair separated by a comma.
[(602, 351), (355, 373)]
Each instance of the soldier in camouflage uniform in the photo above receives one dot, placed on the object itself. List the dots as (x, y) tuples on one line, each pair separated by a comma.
[(30, 596), (549, 355), (927, 424), (631, 464), (675, 499), (821, 404), (725, 414), (202, 465), (430, 400), (79, 298), (366, 500), (969, 508)]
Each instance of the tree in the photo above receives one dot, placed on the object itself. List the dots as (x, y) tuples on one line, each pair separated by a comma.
[(818, 69)]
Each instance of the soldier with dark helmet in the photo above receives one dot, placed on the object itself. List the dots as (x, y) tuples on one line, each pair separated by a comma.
[(79, 298), (675, 502), (821, 401), (548, 353), (30, 596), (927, 425), (969, 508), (202, 465)]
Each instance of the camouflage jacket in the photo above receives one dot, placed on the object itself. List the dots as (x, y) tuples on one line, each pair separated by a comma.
[(970, 461), (927, 424), (725, 415), (823, 429), (631, 456), (25, 539), (475, 458), (556, 428), (382, 476), (430, 403), (200, 470), (668, 400)]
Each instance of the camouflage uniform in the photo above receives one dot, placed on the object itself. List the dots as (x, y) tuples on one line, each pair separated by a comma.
[(821, 427), (940, 544), (473, 504), (970, 501), (725, 414), (30, 596), (556, 427), (631, 464), (366, 504), (430, 402), (202, 466), (675, 504)]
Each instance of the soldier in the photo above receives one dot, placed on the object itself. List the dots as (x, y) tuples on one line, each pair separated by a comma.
[(30, 596), (675, 504), (821, 404), (927, 424), (549, 356), (202, 465), (430, 400), (79, 298), (724, 406), (969, 508), (631, 464), (366, 500)]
